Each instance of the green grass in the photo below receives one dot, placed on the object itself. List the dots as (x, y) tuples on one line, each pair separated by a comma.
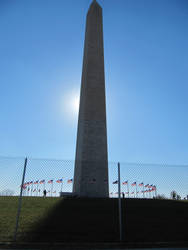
[(8, 210), (93, 220), (33, 209)]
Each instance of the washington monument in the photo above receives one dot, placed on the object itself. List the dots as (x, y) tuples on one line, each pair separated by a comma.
[(91, 163)]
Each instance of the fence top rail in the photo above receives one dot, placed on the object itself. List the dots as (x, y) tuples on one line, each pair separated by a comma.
[(122, 163), (153, 164), (13, 157)]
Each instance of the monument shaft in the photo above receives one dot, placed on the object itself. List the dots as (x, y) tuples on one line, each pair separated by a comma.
[(91, 165)]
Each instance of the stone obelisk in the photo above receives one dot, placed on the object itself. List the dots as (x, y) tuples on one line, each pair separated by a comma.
[(91, 163)]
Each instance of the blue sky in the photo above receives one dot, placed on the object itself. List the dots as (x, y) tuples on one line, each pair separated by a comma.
[(41, 52)]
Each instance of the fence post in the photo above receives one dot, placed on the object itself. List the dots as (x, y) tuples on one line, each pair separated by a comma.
[(120, 211), (20, 200)]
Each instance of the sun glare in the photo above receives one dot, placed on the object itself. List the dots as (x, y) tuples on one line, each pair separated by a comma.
[(75, 104), (70, 103)]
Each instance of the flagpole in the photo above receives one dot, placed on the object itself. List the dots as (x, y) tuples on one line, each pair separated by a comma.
[(143, 190), (51, 188), (31, 188), (62, 185)]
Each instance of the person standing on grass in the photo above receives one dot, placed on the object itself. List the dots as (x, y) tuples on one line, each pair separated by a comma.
[(44, 192)]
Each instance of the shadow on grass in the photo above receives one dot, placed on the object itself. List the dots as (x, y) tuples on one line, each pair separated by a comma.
[(152, 220), (96, 220), (77, 219)]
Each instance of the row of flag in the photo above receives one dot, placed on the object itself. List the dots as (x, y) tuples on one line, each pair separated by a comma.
[(28, 186), (93, 180), (134, 184), (43, 181)]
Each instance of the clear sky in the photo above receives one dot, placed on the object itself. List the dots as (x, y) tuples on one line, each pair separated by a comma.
[(146, 69)]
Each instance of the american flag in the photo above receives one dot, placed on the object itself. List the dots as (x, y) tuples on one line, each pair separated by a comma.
[(50, 181), (125, 182), (141, 184), (59, 181), (24, 186), (133, 184), (69, 181), (115, 182), (42, 181)]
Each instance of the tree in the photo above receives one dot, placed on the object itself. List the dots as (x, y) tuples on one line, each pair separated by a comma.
[(178, 197), (7, 192), (160, 197), (173, 195)]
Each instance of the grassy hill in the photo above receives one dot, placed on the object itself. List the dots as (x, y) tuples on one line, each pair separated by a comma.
[(94, 220), (33, 209)]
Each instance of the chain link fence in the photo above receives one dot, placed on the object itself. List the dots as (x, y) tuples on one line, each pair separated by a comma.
[(27, 198)]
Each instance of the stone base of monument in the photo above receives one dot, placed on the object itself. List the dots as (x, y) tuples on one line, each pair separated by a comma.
[(67, 194)]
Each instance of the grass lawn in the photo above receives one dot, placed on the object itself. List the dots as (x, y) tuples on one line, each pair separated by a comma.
[(33, 208), (94, 220)]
